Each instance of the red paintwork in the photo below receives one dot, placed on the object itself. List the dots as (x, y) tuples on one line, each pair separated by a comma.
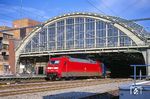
[(71, 66)]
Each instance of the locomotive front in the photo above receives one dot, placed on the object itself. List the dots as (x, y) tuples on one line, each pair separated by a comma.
[(52, 69)]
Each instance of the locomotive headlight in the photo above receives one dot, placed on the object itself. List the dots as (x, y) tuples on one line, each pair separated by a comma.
[(55, 67), (49, 68)]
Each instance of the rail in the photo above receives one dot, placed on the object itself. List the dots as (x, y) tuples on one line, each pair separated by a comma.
[(19, 79)]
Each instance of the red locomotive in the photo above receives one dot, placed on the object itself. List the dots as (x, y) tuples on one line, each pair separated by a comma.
[(64, 67)]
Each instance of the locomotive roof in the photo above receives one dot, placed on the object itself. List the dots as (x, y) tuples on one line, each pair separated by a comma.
[(76, 59)]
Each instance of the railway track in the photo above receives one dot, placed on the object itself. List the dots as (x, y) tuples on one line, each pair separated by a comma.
[(51, 86), (21, 79)]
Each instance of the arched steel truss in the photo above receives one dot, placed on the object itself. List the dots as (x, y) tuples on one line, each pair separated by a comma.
[(80, 31)]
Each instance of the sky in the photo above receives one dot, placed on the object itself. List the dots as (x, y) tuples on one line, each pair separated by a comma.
[(42, 10)]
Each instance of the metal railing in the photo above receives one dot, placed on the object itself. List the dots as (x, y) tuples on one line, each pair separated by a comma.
[(140, 73)]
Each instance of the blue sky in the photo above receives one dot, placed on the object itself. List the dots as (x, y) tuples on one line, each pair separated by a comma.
[(42, 10)]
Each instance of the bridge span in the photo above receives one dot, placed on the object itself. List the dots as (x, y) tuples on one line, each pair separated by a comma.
[(84, 35)]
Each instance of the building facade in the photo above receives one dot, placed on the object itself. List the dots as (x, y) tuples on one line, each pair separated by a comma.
[(5, 68), (8, 42), (21, 33)]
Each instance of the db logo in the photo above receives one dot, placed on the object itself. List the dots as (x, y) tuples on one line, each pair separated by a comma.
[(135, 90)]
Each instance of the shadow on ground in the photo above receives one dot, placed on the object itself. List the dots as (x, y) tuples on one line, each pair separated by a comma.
[(84, 95)]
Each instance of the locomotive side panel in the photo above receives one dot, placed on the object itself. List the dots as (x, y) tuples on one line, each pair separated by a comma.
[(78, 69)]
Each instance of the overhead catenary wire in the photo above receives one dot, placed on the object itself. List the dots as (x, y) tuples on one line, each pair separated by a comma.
[(109, 8), (40, 25), (23, 9), (89, 2), (133, 20), (140, 19), (22, 12), (130, 6), (126, 21), (98, 8)]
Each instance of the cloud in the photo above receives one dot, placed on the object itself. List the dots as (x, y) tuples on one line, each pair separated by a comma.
[(142, 3), (6, 9), (109, 7), (128, 9), (4, 22), (23, 12), (36, 12), (121, 8)]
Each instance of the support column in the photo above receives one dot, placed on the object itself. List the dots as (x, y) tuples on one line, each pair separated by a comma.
[(56, 36), (118, 38), (106, 36), (84, 33), (39, 42), (95, 34), (148, 61), (47, 44), (74, 35), (146, 55), (31, 45), (65, 34)]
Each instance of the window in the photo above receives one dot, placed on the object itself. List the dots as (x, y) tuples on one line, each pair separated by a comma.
[(5, 36), (10, 36), (0, 44), (54, 62), (5, 46), (60, 35), (69, 33), (90, 32), (79, 32), (6, 57), (43, 39), (52, 36), (22, 33)]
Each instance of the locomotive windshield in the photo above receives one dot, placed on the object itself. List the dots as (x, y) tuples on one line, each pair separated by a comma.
[(54, 62)]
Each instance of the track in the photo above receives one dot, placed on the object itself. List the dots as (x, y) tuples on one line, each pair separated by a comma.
[(21, 79), (51, 86)]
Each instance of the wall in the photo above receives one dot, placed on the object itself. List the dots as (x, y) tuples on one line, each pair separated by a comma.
[(12, 56), (23, 23)]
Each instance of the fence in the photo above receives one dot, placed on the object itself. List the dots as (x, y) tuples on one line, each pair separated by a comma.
[(140, 74)]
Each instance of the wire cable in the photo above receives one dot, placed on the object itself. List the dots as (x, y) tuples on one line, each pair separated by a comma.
[(109, 8), (89, 2)]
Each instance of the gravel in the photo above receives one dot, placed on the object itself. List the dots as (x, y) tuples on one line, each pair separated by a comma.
[(72, 93)]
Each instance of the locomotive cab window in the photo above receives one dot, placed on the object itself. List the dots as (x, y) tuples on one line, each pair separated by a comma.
[(54, 62)]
